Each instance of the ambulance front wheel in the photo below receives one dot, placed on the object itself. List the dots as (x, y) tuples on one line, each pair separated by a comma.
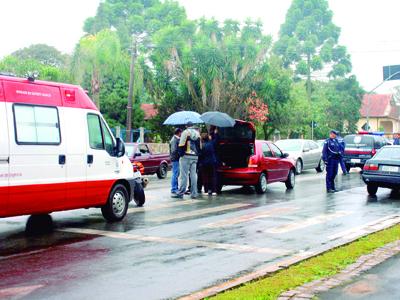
[(117, 204)]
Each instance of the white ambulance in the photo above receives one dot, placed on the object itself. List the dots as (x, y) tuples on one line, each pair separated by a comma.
[(57, 153)]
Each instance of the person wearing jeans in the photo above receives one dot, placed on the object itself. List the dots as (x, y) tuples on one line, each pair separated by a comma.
[(189, 144), (174, 155)]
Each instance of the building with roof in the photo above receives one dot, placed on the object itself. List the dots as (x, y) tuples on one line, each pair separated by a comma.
[(150, 110), (384, 113)]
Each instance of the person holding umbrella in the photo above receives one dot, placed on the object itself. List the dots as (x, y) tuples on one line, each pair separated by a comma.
[(189, 145)]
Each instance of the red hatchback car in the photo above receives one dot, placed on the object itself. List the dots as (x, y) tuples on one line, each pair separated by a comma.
[(249, 162)]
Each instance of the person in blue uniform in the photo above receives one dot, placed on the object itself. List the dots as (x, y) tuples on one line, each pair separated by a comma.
[(396, 140), (342, 145), (331, 157)]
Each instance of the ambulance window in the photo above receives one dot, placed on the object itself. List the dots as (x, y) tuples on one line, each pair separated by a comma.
[(36, 125), (95, 135), (109, 142)]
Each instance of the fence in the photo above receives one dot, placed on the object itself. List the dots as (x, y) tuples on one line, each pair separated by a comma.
[(135, 134)]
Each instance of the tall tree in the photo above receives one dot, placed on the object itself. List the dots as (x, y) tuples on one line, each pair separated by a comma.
[(217, 65), (345, 96), (95, 56), (21, 67), (275, 89), (135, 21), (45, 54), (308, 41)]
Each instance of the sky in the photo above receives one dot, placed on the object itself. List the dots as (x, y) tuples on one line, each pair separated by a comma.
[(368, 27)]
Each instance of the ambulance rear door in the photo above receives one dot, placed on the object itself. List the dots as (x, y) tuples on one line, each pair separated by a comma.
[(37, 149)]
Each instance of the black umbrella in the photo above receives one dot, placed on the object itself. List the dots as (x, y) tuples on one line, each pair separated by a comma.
[(218, 119)]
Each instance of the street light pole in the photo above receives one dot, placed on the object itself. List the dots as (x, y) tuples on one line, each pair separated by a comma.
[(130, 93), (369, 95)]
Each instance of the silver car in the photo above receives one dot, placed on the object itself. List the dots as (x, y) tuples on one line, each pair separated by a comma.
[(306, 153)]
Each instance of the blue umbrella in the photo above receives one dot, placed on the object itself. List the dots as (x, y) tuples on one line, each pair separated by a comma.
[(183, 117), (218, 119)]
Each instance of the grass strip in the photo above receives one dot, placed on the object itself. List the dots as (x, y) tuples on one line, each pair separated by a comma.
[(321, 266)]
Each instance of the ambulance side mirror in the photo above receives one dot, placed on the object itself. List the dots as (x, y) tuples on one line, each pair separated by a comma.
[(119, 148)]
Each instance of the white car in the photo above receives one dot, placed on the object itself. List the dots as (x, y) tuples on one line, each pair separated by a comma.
[(306, 153)]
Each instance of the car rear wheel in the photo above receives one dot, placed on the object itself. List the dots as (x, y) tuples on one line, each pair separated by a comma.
[(117, 204), (372, 189), (321, 166), (299, 166), (162, 171), (291, 180), (261, 186)]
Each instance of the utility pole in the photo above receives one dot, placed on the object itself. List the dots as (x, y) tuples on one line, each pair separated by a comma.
[(130, 93)]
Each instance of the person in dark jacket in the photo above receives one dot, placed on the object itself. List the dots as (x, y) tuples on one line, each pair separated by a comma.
[(174, 155), (330, 155), (208, 163)]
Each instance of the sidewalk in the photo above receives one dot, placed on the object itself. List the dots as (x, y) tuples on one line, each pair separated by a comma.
[(381, 282), (372, 276)]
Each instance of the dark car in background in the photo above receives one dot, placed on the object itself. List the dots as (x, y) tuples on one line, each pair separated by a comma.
[(361, 147), (383, 170), (249, 162), (153, 163)]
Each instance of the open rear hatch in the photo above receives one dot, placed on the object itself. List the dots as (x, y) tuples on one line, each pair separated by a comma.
[(236, 144)]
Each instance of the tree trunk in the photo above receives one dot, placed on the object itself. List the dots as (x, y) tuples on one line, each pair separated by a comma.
[(186, 74), (204, 93), (267, 130), (216, 93)]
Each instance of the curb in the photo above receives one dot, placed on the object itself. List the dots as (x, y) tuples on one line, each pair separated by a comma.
[(269, 269)]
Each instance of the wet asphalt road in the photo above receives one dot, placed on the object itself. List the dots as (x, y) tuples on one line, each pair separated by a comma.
[(171, 247)]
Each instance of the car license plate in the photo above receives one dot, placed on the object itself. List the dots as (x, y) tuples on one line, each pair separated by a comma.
[(390, 169), (137, 174), (355, 160)]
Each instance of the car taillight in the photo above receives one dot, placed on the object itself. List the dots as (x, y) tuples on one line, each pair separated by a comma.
[(253, 162), (371, 167), (135, 169), (373, 152)]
